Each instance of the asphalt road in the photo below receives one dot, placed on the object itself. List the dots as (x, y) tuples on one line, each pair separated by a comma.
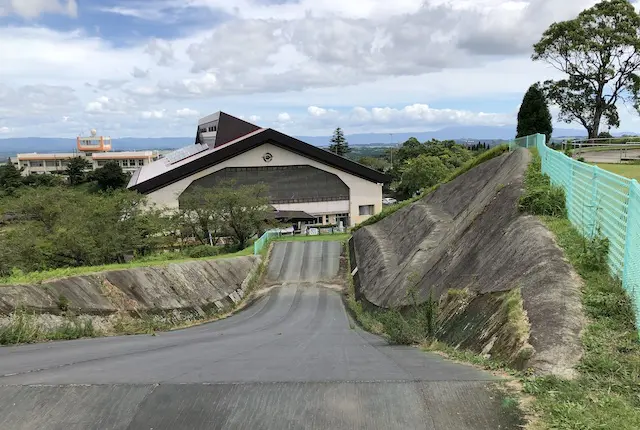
[(293, 360)]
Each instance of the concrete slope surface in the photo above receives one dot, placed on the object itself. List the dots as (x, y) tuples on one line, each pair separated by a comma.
[(469, 235), (292, 360)]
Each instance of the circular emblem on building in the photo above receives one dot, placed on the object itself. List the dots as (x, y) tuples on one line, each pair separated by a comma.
[(267, 157)]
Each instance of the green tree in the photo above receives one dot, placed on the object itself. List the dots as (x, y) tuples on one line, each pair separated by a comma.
[(339, 144), (605, 135), (244, 209), (35, 180), (534, 116), (110, 177), (62, 226), (600, 53), (375, 163), (421, 172), (77, 170), (200, 214), (10, 178)]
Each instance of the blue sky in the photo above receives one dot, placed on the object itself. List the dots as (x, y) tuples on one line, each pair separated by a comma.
[(150, 68)]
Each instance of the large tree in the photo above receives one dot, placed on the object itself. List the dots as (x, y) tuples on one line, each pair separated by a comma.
[(10, 178), (421, 172), (339, 144), (77, 170), (600, 53), (534, 116), (110, 176)]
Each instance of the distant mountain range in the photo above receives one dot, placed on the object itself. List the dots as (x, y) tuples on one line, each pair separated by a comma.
[(12, 146)]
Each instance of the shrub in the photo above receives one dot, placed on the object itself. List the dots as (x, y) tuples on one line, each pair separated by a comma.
[(540, 196), (202, 251), (63, 303), (595, 253)]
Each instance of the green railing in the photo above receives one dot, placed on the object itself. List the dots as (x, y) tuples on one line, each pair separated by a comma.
[(264, 240), (599, 203)]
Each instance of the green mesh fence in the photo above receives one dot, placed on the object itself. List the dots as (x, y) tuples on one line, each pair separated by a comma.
[(264, 240), (598, 203)]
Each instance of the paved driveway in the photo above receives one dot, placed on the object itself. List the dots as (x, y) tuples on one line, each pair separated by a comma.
[(293, 360)]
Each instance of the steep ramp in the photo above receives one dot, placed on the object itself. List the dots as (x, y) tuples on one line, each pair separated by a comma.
[(468, 239), (293, 360)]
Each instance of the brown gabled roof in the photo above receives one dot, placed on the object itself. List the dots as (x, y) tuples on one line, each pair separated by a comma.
[(253, 140)]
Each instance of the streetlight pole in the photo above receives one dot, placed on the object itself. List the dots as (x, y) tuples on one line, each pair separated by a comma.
[(392, 145)]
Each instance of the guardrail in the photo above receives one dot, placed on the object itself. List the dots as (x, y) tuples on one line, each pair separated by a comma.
[(598, 202)]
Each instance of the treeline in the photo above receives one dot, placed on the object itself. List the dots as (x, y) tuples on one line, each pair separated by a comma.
[(109, 177), (45, 228), (416, 165)]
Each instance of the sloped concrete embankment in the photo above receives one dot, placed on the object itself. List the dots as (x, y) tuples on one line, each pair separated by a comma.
[(195, 288), (503, 285)]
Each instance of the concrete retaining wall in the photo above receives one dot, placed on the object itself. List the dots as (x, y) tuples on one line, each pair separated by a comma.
[(469, 235), (191, 286)]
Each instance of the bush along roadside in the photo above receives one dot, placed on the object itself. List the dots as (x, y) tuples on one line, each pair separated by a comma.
[(485, 156), (23, 326), (606, 392)]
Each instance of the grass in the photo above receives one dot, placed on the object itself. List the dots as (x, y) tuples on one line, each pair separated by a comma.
[(606, 394), (540, 197), (23, 327), (319, 238), (631, 171), (156, 260), (485, 156)]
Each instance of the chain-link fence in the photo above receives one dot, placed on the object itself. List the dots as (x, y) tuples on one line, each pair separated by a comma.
[(598, 203)]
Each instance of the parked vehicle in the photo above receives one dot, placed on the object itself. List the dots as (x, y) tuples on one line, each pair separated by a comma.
[(389, 201)]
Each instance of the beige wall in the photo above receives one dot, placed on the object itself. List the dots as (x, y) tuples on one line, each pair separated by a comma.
[(362, 192)]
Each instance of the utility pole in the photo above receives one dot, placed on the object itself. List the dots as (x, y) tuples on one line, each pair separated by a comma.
[(392, 145)]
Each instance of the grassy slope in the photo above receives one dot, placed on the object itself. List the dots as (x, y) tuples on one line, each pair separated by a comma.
[(606, 395), (631, 171), (156, 260)]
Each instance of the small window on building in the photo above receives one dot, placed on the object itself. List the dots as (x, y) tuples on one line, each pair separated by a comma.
[(140, 162), (215, 128), (366, 210)]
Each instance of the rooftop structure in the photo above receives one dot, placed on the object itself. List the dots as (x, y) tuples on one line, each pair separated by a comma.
[(93, 143)]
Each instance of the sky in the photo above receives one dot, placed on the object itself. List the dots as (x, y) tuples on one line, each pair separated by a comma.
[(151, 68)]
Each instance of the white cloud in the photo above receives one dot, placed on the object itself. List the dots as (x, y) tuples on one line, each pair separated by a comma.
[(401, 64), (186, 113), (318, 111), (34, 8), (162, 51), (5, 129), (154, 114), (139, 73), (109, 105), (284, 117)]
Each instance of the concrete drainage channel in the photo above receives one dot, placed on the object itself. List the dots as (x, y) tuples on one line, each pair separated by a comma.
[(290, 360)]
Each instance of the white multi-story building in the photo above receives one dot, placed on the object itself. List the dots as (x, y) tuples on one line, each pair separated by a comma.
[(95, 149)]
